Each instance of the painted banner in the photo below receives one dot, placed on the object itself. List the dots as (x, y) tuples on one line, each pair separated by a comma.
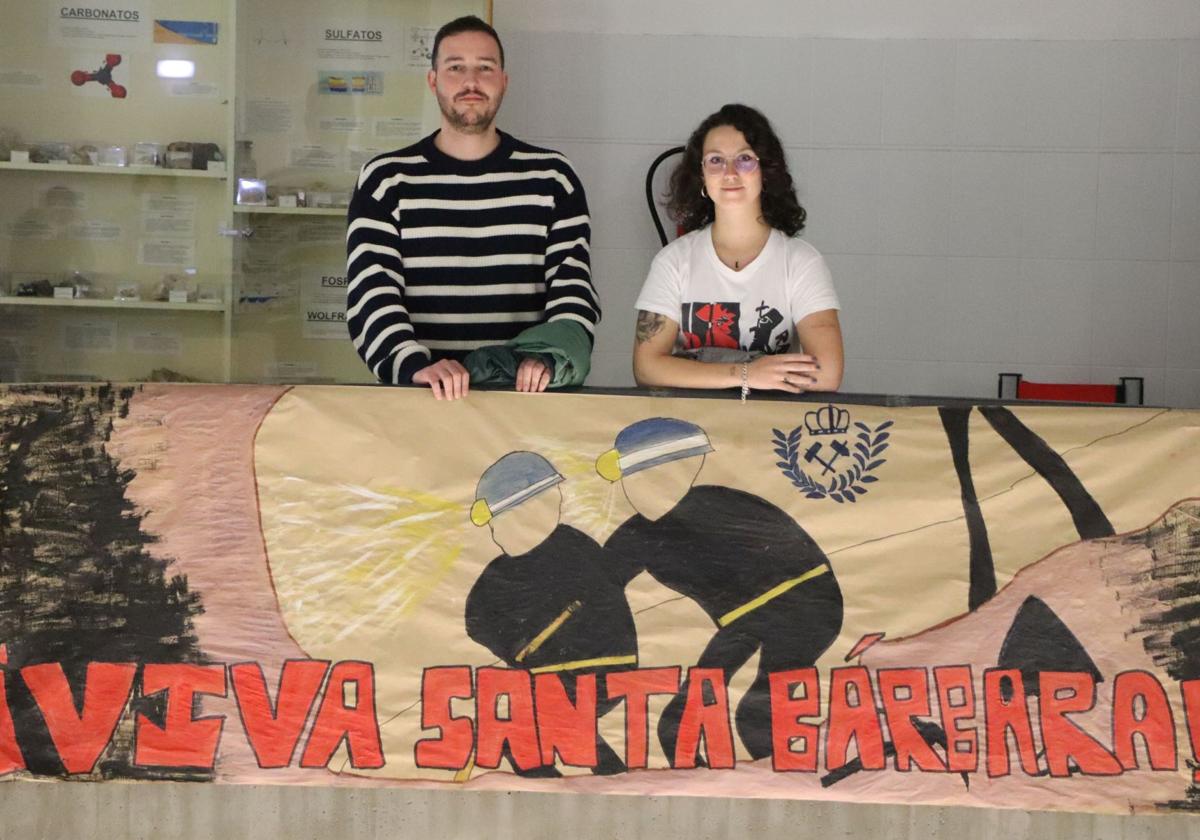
[(992, 605)]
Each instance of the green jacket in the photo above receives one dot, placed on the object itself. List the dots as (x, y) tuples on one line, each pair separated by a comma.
[(564, 345)]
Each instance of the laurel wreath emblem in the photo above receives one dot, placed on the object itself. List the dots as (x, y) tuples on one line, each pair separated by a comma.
[(846, 486)]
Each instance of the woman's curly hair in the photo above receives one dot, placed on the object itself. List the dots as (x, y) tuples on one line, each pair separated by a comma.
[(692, 210)]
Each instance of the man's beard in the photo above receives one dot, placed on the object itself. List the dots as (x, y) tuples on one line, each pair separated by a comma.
[(474, 121)]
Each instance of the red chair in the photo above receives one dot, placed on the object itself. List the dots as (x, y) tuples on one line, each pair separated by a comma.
[(1015, 387)]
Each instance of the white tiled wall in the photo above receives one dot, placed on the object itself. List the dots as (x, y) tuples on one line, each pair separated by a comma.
[(985, 205)]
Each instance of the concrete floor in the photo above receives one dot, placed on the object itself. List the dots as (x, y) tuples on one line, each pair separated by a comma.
[(32, 811)]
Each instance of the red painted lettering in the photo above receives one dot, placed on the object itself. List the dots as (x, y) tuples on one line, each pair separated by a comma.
[(10, 752), (956, 700), (794, 744), (1191, 710), (565, 729), (274, 731), (636, 687), (1156, 726), (905, 694), (1003, 717), (709, 721), (340, 718), (81, 737), (451, 750), (184, 741), (1062, 693), (852, 717), (518, 729)]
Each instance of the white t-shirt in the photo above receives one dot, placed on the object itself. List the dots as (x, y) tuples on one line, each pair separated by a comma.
[(754, 310)]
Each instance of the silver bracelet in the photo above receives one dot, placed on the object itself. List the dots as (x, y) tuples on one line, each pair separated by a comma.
[(745, 380)]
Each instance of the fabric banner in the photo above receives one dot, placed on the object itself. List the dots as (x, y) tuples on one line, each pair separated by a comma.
[(992, 605)]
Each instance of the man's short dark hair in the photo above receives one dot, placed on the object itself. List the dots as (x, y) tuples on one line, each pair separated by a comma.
[(466, 23)]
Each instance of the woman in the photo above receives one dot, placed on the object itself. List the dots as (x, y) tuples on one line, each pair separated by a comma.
[(737, 302)]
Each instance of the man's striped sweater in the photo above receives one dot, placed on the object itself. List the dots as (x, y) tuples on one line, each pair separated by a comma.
[(444, 255)]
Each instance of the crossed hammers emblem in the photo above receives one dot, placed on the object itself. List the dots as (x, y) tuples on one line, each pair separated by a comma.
[(813, 454)]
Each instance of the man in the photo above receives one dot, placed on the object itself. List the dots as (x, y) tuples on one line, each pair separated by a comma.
[(466, 238), (550, 603), (763, 580)]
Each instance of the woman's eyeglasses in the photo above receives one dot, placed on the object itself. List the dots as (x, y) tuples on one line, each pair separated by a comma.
[(743, 164)]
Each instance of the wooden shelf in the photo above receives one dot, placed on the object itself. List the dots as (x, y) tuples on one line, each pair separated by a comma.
[(291, 211), (86, 303), (143, 171)]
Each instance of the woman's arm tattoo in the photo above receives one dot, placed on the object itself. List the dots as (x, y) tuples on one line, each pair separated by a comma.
[(649, 324)]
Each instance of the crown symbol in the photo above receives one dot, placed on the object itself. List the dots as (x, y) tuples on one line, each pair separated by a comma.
[(827, 421)]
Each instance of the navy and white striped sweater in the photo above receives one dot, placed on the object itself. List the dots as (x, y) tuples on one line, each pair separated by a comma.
[(444, 256)]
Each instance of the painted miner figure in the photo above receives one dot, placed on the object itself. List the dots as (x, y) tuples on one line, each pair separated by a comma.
[(764, 582), (551, 603)]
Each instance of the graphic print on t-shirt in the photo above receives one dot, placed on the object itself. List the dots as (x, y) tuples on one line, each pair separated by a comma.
[(711, 324), (768, 319)]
